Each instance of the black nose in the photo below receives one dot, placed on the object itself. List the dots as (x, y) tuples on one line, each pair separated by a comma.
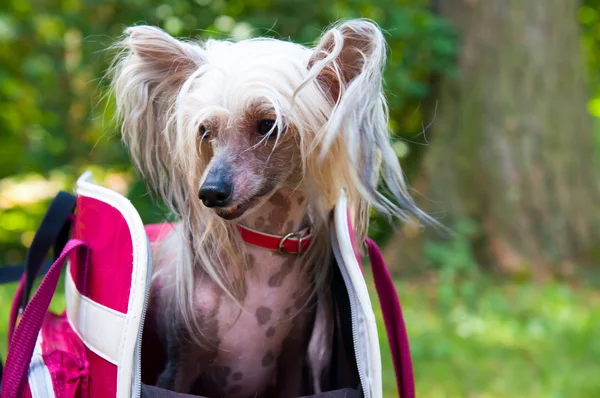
[(216, 193)]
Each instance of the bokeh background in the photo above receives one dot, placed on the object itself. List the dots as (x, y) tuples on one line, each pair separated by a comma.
[(495, 111)]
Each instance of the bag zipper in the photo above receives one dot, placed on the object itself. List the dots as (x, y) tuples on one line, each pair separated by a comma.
[(355, 321), (364, 327), (137, 370)]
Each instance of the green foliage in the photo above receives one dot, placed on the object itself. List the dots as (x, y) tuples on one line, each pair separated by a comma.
[(454, 256), (589, 17), (454, 265)]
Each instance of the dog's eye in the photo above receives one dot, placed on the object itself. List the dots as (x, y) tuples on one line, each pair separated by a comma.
[(265, 127), (202, 130)]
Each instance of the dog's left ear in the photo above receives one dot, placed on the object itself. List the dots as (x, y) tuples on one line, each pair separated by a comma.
[(347, 65), (352, 49)]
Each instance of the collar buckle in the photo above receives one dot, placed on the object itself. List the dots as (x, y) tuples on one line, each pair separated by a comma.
[(286, 237)]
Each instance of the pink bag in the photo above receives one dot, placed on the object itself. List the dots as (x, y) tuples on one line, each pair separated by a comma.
[(94, 348)]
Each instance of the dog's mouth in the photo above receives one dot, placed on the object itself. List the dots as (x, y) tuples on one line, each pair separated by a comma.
[(240, 208), (237, 210), (233, 212)]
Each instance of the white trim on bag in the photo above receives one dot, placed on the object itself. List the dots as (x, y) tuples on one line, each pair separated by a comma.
[(127, 379), (99, 327), (357, 287), (38, 375)]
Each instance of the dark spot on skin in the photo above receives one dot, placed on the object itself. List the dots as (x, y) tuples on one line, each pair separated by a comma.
[(235, 389), (287, 311), (276, 279), (270, 332), (268, 358), (259, 223), (276, 219), (286, 267), (279, 214), (263, 315), (295, 295), (290, 226), (250, 261), (237, 376), (301, 200), (279, 200)]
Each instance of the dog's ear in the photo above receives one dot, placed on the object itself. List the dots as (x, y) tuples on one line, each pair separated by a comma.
[(158, 50), (148, 73), (347, 65), (345, 52)]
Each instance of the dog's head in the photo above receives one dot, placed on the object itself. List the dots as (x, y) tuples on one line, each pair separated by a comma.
[(226, 124)]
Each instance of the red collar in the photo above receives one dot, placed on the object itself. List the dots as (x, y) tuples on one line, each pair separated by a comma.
[(292, 243)]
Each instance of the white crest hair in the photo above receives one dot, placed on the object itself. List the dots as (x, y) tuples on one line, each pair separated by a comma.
[(330, 96)]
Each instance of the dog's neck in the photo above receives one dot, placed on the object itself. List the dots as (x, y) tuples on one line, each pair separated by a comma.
[(284, 212)]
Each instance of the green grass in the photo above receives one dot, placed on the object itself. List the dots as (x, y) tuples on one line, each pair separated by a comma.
[(501, 339), (517, 340)]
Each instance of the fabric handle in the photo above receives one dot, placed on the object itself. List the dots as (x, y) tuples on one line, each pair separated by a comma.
[(53, 232), (394, 322), (25, 335)]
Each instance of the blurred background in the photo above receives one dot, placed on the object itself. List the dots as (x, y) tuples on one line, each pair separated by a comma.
[(495, 111)]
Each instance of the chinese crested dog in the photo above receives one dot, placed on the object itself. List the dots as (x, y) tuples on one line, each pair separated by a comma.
[(259, 136)]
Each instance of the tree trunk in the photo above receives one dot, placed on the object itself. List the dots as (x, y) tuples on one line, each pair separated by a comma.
[(512, 144)]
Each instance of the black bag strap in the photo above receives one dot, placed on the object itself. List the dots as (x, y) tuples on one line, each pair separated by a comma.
[(52, 233), (13, 272)]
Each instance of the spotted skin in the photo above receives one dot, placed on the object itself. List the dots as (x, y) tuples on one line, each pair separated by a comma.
[(253, 352), (268, 359), (250, 261), (270, 332), (286, 268), (289, 226), (263, 315), (281, 207)]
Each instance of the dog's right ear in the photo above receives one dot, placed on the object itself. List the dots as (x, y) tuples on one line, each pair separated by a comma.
[(148, 72), (164, 54)]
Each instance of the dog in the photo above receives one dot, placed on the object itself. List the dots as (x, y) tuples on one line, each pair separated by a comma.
[(258, 135)]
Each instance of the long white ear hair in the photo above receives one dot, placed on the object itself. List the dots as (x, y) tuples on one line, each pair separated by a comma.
[(348, 66), (149, 70)]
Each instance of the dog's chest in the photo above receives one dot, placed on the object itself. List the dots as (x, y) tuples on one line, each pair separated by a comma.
[(257, 343)]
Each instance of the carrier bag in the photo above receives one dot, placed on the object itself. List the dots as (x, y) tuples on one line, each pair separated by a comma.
[(99, 347)]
